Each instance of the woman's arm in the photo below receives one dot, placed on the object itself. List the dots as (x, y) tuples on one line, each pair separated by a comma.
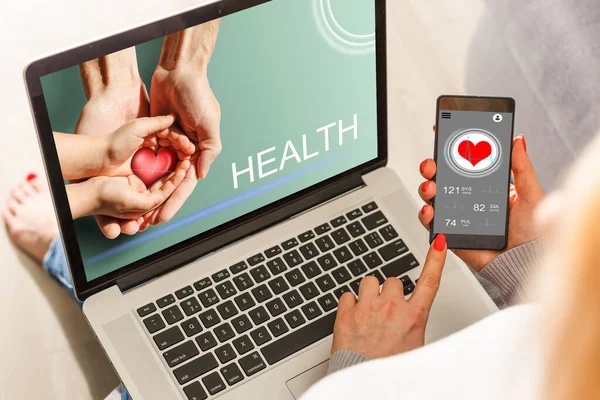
[(80, 156)]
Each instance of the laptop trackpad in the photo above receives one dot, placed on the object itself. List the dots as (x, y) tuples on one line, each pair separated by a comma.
[(302, 382)]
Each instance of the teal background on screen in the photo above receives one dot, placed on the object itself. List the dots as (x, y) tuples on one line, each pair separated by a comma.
[(276, 78)]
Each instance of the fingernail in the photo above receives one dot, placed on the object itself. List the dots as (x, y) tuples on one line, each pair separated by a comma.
[(31, 177), (524, 143), (440, 242), (425, 186), (422, 166), (424, 209)]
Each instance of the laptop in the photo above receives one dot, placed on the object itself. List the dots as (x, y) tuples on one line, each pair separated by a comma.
[(236, 295)]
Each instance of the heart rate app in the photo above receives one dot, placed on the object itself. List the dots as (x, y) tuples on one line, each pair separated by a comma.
[(473, 172)]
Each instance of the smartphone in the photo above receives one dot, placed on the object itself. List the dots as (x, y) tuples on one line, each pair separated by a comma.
[(473, 149)]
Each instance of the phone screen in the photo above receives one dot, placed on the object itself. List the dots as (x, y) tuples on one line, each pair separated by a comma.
[(473, 170)]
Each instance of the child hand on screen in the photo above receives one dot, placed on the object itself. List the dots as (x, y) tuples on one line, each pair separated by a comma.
[(525, 195)]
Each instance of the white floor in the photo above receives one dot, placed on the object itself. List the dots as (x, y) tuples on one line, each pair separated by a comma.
[(46, 349)]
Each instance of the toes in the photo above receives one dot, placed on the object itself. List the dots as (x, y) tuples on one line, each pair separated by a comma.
[(38, 184), (12, 206), (18, 195), (28, 188), (9, 219)]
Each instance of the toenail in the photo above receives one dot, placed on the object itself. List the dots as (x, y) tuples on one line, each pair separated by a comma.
[(31, 177)]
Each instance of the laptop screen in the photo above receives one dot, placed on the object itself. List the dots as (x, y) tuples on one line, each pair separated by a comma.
[(265, 102)]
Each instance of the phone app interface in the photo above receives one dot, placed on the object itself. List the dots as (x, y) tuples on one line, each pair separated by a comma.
[(473, 169)]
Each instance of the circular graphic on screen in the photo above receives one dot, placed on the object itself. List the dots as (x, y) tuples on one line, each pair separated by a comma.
[(473, 153)]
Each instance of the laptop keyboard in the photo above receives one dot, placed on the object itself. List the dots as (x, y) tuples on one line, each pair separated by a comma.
[(226, 328)]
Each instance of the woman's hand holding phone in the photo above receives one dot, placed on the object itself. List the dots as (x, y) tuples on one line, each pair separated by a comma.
[(525, 195)]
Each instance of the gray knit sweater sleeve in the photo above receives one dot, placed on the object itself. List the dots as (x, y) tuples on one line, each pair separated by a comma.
[(511, 271)]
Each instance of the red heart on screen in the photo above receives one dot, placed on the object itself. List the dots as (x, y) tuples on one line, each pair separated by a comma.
[(151, 167), (474, 153)]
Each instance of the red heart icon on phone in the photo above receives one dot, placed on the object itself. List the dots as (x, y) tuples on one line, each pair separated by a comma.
[(151, 167), (474, 153)]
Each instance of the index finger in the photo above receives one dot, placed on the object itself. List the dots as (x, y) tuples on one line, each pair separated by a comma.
[(429, 282)]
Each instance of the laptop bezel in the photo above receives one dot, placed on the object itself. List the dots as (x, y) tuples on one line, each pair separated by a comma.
[(184, 252)]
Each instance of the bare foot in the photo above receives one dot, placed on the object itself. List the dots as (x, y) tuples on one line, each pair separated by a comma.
[(29, 217)]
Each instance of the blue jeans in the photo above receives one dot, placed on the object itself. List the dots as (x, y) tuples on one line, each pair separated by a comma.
[(55, 264)]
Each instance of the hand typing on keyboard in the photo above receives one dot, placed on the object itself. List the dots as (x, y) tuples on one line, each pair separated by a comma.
[(381, 324)]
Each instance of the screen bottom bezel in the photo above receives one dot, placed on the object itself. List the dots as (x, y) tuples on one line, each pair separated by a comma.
[(473, 242)]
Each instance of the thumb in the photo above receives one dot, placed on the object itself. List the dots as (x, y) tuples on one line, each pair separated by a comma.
[(526, 182), (143, 127)]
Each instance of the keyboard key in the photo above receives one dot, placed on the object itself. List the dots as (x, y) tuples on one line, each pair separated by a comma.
[(195, 392), (203, 283), (295, 277), (355, 285), (343, 254), (393, 249), (260, 274), (400, 266), (245, 301), (367, 208), (292, 299), (259, 315), (260, 336), (306, 236), (243, 281), (388, 232), (377, 275), (241, 324), (276, 266), (321, 229), (293, 258), (191, 327), (295, 319), (340, 291), (232, 374), (145, 310), (358, 247), (206, 341), (357, 267), (309, 291), (327, 262), (277, 327), (181, 353), (225, 353), (261, 293), (325, 243), (184, 292), (208, 298), (172, 315), (209, 318), (299, 339), (243, 344), (372, 260), (190, 306), (290, 243), (309, 251), (219, 276), (256, 259), (276, 307), (165, 301), (239, 267), (340, 236), (409, 286), (352, 215), (311, 310), (339, 221), (273, 251), (341, 275), (373, 240), (374, 220), (224, 332), (252, 364), (325, 283), (227, 310), (278, 285), (195, 368), (168, 338), (355, 229), (213, 382), (311, 269), (226, 290), (154, 323), (327, 302)]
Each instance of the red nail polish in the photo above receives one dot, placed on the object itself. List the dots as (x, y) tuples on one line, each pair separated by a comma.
[(425, 186), (31, 177), (422, 166), (524, 143), (440, 242), (424, 209)]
